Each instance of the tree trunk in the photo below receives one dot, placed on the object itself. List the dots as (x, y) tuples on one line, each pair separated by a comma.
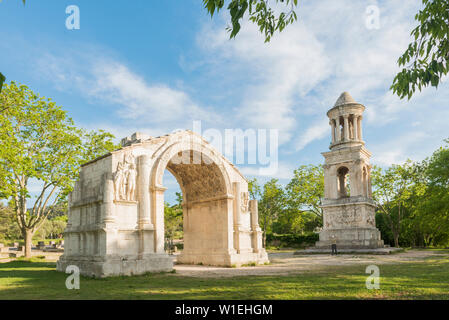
[(28, 236), (396, 239)]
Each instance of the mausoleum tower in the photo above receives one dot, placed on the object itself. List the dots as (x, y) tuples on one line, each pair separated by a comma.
[(348, 208)]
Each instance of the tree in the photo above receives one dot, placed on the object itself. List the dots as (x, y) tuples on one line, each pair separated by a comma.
[(173, 218), (271, 205), (306, 189), (52, 228), (260, 12), (426, 59), (8, 227), (2, 79), (433, 207), (392, 188), (254, 189), (39, 143)]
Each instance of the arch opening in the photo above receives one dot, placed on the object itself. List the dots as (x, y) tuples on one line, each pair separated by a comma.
[(343, 182), (204, 205)]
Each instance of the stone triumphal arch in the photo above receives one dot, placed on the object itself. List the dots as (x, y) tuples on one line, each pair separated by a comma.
[(116, 210)]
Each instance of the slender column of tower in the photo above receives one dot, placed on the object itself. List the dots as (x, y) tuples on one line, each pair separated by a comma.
[(338, 129), (356, 127)]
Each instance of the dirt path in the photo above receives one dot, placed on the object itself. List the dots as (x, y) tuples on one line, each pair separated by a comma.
[(285, 263)]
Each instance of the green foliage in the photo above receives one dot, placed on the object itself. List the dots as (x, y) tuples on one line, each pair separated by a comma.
[(173, 219), (272, 204), (51, 229), (254, 189), (2, 79), (413, 201), (9, 230), (306, 189), (39, 142), (260, 12), (431, 206), (392, 189), (295, 208), (293, 240), (426, 59)]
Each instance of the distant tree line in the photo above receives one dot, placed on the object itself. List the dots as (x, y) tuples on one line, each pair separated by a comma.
[(39, 143), (413, 201)]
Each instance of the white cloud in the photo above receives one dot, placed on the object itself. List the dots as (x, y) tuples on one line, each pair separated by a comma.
[(327, 51), (312, 133), (397, 150), (114, 82), (279, 72), (284, 171), (108, 81)]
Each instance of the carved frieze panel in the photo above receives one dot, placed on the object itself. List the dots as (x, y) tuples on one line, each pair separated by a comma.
[(244, 199), (125, 179)]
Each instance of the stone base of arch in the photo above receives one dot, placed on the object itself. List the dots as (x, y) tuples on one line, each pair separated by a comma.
[(118, 265), (228, 259)]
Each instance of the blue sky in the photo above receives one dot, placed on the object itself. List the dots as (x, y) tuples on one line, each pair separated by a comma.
[(156, 66)]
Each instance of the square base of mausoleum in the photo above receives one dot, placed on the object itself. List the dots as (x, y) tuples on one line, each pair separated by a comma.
[(354, 238)]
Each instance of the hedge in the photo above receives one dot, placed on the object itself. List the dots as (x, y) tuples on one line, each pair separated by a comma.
[(293, 239)]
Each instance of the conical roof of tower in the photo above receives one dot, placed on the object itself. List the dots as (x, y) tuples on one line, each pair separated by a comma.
[(345, 98)]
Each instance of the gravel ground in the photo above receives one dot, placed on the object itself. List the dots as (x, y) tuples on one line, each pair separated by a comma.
[(285, 263)]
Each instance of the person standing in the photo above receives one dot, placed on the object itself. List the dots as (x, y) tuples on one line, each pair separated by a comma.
[(334, 245)]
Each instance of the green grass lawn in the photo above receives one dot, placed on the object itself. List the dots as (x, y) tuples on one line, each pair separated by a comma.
[(407, 280)]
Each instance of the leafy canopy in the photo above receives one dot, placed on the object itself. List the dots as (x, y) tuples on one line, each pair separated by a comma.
[(260, 12), (2, 79), (40, 143), (426, 60)]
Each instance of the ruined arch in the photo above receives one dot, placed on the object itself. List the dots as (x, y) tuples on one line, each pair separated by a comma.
[(124, 235)]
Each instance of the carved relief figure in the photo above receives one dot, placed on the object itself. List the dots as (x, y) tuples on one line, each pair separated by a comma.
[(119, 177), (245, 202), (125, 179), (131, 182)]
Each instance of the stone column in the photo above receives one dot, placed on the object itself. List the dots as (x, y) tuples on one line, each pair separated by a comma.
[(360, 128), (256, 231), (237, 218), (143, 186), (356, 127), (237, 201), (144, 207), (332, 124), (158, 218), (369, 186), (108, 199), (346, 127), (338, 129)]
